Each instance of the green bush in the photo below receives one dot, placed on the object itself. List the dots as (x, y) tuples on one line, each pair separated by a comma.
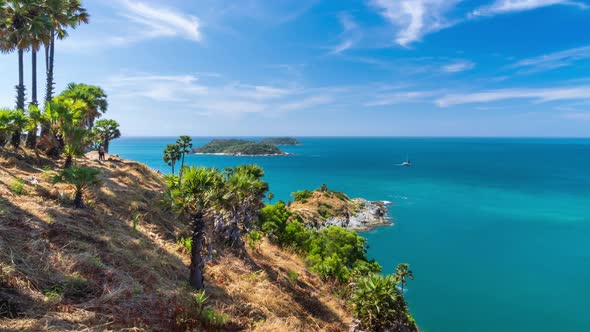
[(17, 187), (254, 238), (301, 195), (378, 305), (186, 243)]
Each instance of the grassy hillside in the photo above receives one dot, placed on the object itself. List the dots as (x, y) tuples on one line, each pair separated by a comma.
[(118, 264)]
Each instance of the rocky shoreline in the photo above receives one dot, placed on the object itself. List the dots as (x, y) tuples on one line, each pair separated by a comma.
[(372, 214), (243, 155)]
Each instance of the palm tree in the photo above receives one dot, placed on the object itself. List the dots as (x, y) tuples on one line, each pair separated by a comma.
[(81, 178), (14, 33), (270, 197), (94, 97), (60, 117), (76, 139), (19, 122), (62, 14), (5, 125), (199, 193), (37, 34), (171, 155), (402, 272), (185, 144), (106, 130), (243, 200)]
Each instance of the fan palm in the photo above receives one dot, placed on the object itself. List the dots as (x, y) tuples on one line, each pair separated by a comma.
[(35, 119), (200, 193), (14, 27), (106, 130), (76, 139), (94, 97), (185, 145), (81, 178), (172, 155), (403, 272)]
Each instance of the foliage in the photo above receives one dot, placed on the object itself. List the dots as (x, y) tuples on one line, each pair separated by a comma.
[(378, 305), (402, 273), (81, 178), (185, 144), (104, 131), (280, 141), (12, 121), (172, 155), (270, 196), (94, 98), (186, 243), (254, 238), (273, 221), (17, 187), (238, 147), (301, 195)]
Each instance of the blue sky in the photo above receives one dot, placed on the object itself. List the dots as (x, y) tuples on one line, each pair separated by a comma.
[(311, 67)]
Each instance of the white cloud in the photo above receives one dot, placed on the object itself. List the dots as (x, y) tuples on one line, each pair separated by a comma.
[(351, 33), (305, 103), (458, 66), (401, 97), (509, 6), (554, 60), (162, 22), (415, 18), (539, 95)]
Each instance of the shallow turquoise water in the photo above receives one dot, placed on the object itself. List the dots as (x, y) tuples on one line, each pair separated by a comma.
[(497, 231)]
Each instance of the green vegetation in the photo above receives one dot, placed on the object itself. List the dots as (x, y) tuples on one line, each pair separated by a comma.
[(301, 195), (172, 155), (238, 147), (17, 187), (339, 255), (104, 131), (280, 141), (81, 178)]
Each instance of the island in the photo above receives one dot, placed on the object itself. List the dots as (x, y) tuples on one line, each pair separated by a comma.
[(238, 147), (281, 141), (323, 207)]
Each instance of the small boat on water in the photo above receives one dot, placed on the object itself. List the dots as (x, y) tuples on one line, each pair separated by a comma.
[(406, 163)]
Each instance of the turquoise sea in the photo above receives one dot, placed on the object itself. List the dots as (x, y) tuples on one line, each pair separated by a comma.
[(497, 231)]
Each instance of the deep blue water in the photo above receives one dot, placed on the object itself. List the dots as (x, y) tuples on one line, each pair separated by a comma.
[(497, 231)]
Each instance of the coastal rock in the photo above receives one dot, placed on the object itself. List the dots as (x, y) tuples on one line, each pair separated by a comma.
[(371, 214)]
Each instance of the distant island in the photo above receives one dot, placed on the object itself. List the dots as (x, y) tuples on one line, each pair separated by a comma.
[(281, 141), (238, 147), (323, 207)]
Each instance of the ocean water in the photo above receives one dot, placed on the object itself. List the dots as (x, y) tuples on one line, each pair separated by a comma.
[(497, 231)]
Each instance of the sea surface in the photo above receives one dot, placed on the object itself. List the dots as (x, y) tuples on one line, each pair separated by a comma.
[(496, 231)]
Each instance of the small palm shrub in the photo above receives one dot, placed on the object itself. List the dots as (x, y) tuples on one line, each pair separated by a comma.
[(81, 178), (378, 305)]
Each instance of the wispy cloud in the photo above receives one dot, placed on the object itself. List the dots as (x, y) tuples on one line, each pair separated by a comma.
[(538, 95), (510, 6), (554, 60), (394, 98), (351, 33), (458, 66), (414, 19), (162, 21)]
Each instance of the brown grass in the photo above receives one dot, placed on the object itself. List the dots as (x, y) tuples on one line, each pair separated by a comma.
[(87, 270)]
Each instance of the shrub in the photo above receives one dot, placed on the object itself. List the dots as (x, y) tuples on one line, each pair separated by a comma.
[(186, 243), (302, 195), (293, 276), (378, 305), (17, 187), (254, 238)]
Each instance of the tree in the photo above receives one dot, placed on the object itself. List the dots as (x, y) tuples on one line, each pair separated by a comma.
[(81, 178), (62, 117), (106, 130), (270, 197), (244, 198), (62, 14), (18, 122), (200, 193), (185, 144), (14, 32), (94, 97), (5, 125), (38, 34), (171, 155), (402, 271), (76, 139)]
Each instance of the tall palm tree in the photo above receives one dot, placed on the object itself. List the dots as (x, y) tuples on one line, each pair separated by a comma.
[(200, 193), (403, 272), (106, 130), (38, 30), (14, 37), (171, 155), (185, 144), (62, 14)]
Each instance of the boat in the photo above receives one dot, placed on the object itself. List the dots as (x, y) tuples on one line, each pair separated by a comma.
[(406, 163)]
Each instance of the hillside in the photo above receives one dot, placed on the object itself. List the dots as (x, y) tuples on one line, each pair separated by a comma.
[(63, 269), (324, 207), (237, 147)]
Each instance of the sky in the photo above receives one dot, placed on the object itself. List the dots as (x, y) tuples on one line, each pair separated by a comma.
[(331, 68)]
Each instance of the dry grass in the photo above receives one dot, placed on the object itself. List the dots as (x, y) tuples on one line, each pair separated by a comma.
[(88, 270)]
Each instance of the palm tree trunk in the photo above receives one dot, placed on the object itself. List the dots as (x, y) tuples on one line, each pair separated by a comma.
[(34, 78), (32, 138), (181, 168), (106, 145), (49, 55), (20, 88), (69, 162), (78, 201), (197, 263)]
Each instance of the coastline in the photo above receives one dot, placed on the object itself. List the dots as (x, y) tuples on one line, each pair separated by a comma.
[(243, 155), (372, 214)]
